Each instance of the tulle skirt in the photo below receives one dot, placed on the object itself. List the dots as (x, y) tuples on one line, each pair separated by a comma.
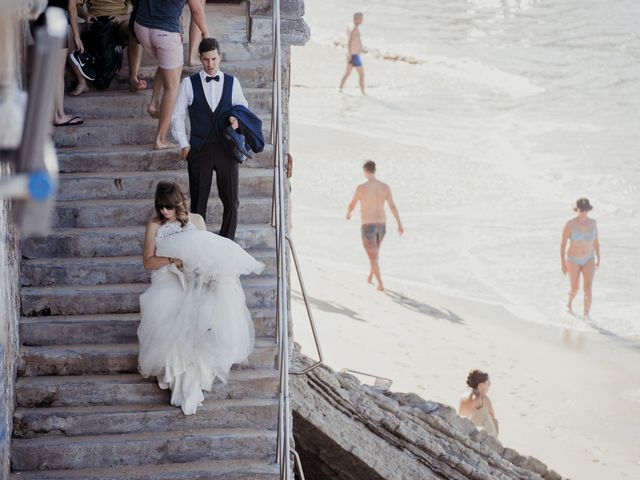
[(194, 322)]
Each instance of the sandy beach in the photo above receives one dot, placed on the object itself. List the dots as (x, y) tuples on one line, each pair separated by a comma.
[(564, 392)]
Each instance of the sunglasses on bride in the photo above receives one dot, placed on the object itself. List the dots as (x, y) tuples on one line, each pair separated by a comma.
[(165, 207)]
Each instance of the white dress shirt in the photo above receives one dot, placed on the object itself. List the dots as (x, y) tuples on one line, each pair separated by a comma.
[(213, 94)]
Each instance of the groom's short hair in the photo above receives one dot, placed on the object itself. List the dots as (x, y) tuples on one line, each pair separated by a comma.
[(208, 45)]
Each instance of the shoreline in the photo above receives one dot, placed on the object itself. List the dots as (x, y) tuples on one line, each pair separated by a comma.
[(562, 396), (568, 397)]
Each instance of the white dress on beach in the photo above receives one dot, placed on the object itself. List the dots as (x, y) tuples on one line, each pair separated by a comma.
[(194, 322)]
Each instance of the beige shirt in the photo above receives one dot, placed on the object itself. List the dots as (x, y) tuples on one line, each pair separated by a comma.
[(99, 8)]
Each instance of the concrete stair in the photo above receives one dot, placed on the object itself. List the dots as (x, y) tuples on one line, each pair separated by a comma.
[(200, 470), (100, 104), (82, 410), (122, 241), (137, 158), (83, 390), (116, 130), (141, 448)]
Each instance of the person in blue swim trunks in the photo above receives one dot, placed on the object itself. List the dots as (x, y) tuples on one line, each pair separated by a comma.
[(583, 256), (354, 45)]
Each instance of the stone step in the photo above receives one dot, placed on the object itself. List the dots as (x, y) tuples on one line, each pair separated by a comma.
[(137, 158), (110, 359), (104, 270), (58, 452), (114, 419), (200, 470), (132, 212), (251, 73), (125, 389), (109, 328), (235, 48), (254, 182), (122, 241), (104, 132), (100, 104), (119, 298)]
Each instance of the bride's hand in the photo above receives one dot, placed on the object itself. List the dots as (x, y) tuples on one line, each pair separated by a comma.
[(177, 262)]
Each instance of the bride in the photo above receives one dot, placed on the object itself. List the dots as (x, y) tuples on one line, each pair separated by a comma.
[(194, 321)]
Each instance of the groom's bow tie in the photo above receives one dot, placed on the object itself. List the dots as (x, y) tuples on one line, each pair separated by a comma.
[(216, 78)]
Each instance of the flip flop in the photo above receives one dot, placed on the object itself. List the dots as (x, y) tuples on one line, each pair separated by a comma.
[(72, 121)]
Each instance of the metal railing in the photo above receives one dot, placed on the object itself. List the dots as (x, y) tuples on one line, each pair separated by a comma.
[(284, 413), (284, 448)]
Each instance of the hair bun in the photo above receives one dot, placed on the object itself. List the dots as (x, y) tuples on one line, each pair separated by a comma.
[(475, 378)]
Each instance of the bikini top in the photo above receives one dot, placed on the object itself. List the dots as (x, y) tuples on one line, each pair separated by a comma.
[(577, 235)]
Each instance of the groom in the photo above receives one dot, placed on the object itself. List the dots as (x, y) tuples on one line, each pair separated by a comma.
[(204, 97)]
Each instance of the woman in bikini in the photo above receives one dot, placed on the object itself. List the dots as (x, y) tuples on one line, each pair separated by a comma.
[(477, 406), (583, 255)]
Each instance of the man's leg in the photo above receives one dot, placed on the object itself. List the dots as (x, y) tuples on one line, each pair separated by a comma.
[(227, 179), (156, 95), (134, 57), (360, 71), (346, 75), (375, 267), (195, 37), (170, 83), (82, 86), (200, 169)]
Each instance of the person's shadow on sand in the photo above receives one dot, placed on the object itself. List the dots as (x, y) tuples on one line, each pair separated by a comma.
[(328, 307), (423, 308)]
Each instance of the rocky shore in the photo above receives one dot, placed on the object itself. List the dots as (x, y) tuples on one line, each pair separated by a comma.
[(346, 430)]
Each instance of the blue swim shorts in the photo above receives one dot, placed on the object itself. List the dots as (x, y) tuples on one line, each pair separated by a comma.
[(355, 60)]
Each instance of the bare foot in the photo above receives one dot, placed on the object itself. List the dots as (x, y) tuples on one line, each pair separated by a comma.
[(586, 317), (164, 145), (370, 278), (153, 110), (80, 89), (380, 288), (137, 84)]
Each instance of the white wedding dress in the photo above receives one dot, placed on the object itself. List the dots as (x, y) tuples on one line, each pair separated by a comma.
[(194, 322)]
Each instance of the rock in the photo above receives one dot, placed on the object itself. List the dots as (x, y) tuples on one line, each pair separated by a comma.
[(347, 430)]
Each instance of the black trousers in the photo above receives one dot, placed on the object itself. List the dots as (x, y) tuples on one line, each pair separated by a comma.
[(201, 166)]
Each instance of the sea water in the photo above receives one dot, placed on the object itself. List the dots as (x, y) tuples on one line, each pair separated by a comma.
[(510, 110)]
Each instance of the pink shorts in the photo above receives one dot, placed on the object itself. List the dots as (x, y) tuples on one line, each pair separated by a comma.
[(165, 47)]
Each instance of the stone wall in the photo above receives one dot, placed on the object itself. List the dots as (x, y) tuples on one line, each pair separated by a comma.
[(12, 102), (9, 308), (345, 430)]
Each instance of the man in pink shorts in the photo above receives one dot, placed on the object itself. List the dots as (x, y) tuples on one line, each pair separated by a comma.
[(157, 28)]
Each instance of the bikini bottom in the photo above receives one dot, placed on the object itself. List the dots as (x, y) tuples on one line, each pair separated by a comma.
[(580, 261)]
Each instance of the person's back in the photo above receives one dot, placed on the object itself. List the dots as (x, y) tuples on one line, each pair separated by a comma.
[(373, 195)]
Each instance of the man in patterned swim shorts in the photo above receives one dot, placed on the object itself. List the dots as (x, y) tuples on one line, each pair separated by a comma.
[(372, 196)]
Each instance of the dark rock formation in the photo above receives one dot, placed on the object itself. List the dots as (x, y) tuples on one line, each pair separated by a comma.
[(346, 430)]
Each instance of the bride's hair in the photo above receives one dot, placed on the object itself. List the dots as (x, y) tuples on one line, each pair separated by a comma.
[(170, 194)]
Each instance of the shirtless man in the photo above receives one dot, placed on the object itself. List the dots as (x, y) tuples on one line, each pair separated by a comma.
[(355, 49), (372, 196)]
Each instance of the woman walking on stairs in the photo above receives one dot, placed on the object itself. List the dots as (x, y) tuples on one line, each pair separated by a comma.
[(194, 321)]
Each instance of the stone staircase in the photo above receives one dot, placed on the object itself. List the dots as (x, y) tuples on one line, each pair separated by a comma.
[(82, 410)]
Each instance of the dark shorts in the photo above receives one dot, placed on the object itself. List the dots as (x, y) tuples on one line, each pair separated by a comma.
[(372, 235), (355, 60)]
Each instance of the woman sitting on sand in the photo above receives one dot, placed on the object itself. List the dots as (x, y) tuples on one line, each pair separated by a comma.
[(583, 255), (478, 406)]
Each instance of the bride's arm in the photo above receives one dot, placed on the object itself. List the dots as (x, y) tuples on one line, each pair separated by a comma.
[(149, 258)]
